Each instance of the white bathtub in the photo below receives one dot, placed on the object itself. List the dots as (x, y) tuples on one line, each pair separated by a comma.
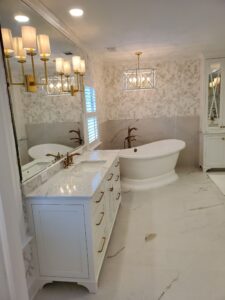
[(153, 164)]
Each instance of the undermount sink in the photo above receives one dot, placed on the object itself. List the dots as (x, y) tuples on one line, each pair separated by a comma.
[(35, 167), (43, 149), (89, 166)]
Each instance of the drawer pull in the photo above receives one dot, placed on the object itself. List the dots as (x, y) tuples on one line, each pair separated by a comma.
[(118, 196), (100, 221), (117, 178), (222, 126), (223, 139), (117, 165), (110, 178), (111, 189), (100, 199), (102, 245)]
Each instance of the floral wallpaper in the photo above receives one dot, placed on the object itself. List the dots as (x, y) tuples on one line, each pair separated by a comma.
[(39, 108), (177, 91)]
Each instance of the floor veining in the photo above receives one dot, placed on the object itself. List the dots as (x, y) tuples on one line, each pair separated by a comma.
[(168, 243)]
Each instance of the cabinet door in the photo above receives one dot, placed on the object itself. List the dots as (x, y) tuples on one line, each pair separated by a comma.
[(215, 94), (215, 151), (61, 240)]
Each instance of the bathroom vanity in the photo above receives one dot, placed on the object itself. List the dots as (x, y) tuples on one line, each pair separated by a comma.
[(72, 217)]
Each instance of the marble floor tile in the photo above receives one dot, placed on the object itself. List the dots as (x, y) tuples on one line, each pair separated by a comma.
[(168, 243)]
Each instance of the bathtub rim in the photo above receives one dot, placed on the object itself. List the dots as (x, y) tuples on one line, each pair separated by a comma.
[(150, 157)]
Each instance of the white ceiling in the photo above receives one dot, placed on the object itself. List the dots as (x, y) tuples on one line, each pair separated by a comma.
[(159, 27)]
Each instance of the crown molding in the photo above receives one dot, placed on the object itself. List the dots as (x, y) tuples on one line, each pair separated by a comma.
[(50, 17)]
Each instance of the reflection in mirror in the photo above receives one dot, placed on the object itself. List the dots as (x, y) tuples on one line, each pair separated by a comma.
[(48, 122), (214, 95)]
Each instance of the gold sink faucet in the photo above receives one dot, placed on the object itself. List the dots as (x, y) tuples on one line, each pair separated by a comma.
[(57, 157), (68, 161)]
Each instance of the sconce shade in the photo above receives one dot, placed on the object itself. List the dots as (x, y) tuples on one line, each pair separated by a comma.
[(44, 46), (29, 38), (66, 68), (82, 67), (7, 41), (76, 64), (59, 65), (19, 51)]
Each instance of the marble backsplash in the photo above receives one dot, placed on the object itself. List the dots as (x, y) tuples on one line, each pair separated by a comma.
[(149, 130)]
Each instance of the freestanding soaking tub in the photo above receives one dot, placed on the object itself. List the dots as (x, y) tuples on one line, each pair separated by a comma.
[(151, 165)]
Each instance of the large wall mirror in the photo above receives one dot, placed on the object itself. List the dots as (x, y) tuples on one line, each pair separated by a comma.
[(47, 121)]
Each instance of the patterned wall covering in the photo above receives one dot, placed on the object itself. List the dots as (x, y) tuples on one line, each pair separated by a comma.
[(40, 108), (177, 91)]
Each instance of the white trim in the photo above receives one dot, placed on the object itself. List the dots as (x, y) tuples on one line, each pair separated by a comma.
[(11, 213)]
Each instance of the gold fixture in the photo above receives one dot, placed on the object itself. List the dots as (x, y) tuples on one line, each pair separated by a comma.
[(130, 138), (22, 46), (27, 45), (57, 157), (78, 138), (68, 161), (75, 82), (139, 78)]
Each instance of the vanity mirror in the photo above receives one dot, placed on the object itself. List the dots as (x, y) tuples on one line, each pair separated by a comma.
[(48, 120)]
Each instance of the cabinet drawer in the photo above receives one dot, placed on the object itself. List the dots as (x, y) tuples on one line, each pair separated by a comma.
[(99, 230), (116, 164), (99, 222), (215, 150), (100, 250), (98, 199)]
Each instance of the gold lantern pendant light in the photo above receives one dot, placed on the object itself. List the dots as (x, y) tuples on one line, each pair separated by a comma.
[(139, 78)]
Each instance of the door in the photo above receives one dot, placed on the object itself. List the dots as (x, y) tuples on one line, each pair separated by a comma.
[(61, 240), (215, 151)]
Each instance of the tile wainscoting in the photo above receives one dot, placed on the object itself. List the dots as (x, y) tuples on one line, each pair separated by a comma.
[(185, 128)]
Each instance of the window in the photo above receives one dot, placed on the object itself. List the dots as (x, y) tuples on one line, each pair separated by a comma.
[(91, 114)]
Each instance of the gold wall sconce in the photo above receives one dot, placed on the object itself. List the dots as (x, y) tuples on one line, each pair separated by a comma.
[(20, 47), (75, 74)]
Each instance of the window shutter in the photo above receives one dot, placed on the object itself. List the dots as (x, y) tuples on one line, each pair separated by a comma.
[(91, 114)]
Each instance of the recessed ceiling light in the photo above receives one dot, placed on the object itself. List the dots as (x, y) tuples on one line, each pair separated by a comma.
[(76, 12), (21, 19)]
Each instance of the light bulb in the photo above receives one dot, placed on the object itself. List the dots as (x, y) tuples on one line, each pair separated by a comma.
[(59, 65), (76, 63), (19, 51), (29, 38), (44, 46), (7, 41)]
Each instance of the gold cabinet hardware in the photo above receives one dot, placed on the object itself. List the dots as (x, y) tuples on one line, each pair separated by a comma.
[(117, 178), (111, 189), (223, 139), (102, 245), (118, 196), (222, 126), (100, 199), (110, 178), (100, 221)]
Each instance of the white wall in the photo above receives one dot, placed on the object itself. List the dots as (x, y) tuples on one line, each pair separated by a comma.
[(4, 289)]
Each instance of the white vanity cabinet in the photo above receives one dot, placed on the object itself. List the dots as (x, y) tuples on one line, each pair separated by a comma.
[(212, 135), (72, 233)]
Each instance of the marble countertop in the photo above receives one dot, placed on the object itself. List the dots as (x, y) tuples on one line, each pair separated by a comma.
[(74, 182)]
